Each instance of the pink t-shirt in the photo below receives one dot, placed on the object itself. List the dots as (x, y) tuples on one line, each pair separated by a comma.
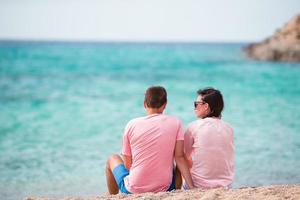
[(150, 140), (209, 142)]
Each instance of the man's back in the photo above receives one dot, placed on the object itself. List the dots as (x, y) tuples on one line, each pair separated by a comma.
[(150, 140)]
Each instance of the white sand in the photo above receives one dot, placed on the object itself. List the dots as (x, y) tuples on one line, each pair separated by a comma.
[(266, 192)]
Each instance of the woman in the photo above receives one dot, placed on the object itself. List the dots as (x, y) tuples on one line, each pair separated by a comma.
[(209, 143)]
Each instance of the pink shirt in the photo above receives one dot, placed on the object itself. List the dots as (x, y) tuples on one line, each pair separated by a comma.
[(150, 140), (209, 142)]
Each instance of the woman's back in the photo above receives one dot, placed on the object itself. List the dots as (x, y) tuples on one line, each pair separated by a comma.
[(209, 143)]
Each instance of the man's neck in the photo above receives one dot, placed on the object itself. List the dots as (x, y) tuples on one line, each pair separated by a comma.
[(153, 111)]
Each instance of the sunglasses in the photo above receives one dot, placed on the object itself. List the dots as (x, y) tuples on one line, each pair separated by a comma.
[(198, 102)]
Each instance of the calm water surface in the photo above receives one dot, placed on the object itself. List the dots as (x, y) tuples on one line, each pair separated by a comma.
[(63, 108)]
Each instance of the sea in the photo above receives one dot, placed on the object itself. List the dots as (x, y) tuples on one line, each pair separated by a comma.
[(64, 106)]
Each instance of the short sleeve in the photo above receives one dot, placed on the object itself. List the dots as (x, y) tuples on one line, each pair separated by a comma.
[(126, 150), (179, 132), (188, 142)]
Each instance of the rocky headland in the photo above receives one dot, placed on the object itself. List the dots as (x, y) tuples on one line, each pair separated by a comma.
[(284, 45)]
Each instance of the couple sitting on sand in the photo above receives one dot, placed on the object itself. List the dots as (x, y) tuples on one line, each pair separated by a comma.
[(151, 144)]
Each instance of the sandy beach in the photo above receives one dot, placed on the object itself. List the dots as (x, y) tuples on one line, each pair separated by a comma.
[(264, 192)]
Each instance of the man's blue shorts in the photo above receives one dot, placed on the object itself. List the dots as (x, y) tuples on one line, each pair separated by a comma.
[(120, 172)]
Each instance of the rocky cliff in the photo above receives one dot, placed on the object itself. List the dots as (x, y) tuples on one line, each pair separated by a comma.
[(284, 45)]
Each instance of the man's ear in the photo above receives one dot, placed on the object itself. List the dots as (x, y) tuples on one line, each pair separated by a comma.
[(164, 106), (145, 105)]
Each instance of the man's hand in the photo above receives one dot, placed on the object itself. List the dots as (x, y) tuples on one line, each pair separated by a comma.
[(182, 163), (127, 161)]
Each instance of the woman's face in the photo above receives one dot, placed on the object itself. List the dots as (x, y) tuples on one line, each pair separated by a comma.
[(201, 107)]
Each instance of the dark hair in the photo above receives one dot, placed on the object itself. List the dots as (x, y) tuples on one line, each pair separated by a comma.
[(155, 96), (214, 99)]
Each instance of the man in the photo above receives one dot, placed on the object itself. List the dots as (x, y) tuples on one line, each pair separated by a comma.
[(150, 144)]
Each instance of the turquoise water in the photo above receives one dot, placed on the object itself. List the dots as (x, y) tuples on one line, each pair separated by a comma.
[(63, 108)]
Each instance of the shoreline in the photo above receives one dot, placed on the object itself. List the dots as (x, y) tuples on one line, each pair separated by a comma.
[(262, 192)]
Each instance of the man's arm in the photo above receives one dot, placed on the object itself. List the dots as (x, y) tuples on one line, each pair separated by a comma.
[(182, 164), (188, 147), (126, 149), (189, 161), (127, 161)]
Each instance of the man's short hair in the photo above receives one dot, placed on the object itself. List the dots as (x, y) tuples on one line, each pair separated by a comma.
[(155, 96)]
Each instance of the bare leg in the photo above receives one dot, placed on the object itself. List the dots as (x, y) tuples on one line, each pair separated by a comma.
[(178, 180), (112, 162)]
